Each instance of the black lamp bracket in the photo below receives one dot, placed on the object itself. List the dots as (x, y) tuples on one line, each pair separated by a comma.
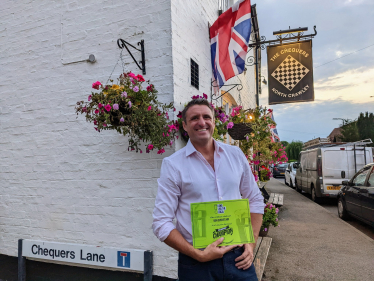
[(123, 44)]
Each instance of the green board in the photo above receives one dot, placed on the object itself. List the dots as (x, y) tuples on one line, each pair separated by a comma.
[(229, 219)]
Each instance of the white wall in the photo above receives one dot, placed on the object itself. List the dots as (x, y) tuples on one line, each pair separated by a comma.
[(60, 180)]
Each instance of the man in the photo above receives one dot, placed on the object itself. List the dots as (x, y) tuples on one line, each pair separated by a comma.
[(203, 171)]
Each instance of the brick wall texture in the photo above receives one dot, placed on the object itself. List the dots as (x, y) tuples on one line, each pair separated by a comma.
[(60, 180)]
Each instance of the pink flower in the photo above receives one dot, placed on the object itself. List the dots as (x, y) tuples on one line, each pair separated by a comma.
[(149, 88), (135, 89), (265, 229), (161, 151), (96, 111), (141, 151), (129, 104), (140, 78), (132, 81), (230, 125), (115, 106), (84, 109), (95, 122), (107, 107), (132, 75), (122, 120), (150, 146), (100, 105), (205, 96), (89, 97), (104, 124), (124, 95), (96, 85), (172, 127), (149, 108)]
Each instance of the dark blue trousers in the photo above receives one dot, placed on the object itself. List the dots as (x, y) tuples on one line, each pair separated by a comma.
[(223, 269)]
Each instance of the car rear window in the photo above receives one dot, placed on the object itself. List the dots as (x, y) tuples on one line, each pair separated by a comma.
[(282, 165)]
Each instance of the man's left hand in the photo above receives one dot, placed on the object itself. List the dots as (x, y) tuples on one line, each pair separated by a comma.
[(245, 260)]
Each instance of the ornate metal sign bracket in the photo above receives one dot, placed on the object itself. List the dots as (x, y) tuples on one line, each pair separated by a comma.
[(122, 43), (288, 38), (239, 87)]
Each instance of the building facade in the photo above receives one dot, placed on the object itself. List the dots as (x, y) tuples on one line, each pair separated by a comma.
[(60, 180)]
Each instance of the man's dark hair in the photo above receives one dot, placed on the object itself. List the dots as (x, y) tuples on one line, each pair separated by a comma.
[(196, 102)]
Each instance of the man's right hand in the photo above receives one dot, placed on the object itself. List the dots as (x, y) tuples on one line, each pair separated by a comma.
[(213, 251)]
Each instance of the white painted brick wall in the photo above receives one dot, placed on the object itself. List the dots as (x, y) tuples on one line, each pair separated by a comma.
[(60, 180)]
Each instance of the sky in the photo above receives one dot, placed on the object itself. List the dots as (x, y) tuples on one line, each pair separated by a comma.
[(342, 88)]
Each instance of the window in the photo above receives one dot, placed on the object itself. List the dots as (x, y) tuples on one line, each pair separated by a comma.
[(194, 74), (371, 179), (360, 178)]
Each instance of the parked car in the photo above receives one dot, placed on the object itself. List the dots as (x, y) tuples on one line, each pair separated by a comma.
[(279, 170), (356, 198), (290, 174), (320, 171)]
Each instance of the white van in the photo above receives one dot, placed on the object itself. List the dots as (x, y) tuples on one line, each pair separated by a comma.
[(321, 170)]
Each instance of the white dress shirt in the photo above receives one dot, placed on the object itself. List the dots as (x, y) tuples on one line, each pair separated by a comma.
[(187, 177)]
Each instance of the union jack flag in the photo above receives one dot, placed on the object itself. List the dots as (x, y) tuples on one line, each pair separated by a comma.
[(229, 36)]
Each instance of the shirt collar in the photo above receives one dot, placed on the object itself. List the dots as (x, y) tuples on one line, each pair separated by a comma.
[(191, 149)]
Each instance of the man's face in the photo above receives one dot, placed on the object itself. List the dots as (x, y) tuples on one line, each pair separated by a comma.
[(200, 124)]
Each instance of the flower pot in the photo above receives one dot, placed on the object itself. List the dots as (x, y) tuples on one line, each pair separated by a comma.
[(264, 233), (239, 131)]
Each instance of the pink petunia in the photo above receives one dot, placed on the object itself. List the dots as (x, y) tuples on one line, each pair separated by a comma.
[(161, 151), (135, 89), (104, 124), (96, 85), (115, 106), (100, 105), (149, 88), (89, 97), (205, 96), (149, 108), (124, 95), (150, 146), (132, 75), (230, 125), (107, 107), (129, 104), (122, 120), (96, 111)]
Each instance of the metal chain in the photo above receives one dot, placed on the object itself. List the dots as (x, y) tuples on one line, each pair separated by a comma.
[(123, 66)]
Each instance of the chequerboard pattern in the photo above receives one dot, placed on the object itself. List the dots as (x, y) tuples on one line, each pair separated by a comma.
[(290, 72)]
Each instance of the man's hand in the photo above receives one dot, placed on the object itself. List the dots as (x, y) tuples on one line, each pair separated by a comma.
[(245, 260), (213, 252)]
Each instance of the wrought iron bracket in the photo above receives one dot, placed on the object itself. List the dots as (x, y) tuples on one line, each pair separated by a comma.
[(239, 87), (123, 44), (289, 38)]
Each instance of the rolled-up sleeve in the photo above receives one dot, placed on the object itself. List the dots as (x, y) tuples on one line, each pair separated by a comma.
[(166, 201), (249, 188)]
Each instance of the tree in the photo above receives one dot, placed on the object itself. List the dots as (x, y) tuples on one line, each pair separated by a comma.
[(349, 131), (285, 143), (365, 126), (293, 149)]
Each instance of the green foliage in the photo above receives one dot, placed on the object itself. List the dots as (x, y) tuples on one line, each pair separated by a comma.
[(293, 149), (365, 126), (130, 110), (270, 217), (284, 143), (349, 131)]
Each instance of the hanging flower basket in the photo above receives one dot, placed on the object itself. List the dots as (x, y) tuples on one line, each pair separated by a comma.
[(239, 130)]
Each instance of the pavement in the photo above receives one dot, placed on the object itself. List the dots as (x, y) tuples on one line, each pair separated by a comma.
[(311, 243)]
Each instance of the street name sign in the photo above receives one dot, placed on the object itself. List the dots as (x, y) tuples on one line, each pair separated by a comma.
[(84, 254)]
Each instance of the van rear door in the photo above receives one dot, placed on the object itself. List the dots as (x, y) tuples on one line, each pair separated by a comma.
[(334, 169), (361, 160)]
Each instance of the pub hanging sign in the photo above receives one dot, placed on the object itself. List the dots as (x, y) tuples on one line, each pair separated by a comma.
[(290, 68)]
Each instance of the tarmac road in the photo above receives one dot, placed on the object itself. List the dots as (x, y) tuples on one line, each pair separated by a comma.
[(313, 244), (331, 205)]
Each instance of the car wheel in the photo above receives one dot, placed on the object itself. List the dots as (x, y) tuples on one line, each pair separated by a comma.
[(342, 211), (314, 196), (285, 182), (297, 187)]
